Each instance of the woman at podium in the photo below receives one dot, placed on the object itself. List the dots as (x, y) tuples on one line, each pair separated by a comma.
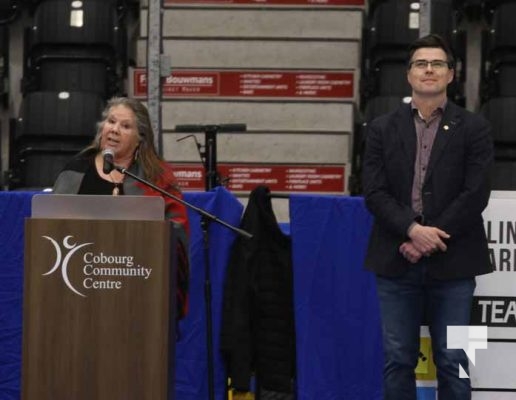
[(125, 138)]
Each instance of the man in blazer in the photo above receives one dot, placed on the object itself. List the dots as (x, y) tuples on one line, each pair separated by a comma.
[(425, 181)]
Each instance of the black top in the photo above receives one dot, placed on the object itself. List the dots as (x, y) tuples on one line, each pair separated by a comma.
[(93, 183)]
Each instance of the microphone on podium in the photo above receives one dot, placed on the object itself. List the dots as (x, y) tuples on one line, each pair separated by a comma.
[(108, 157)]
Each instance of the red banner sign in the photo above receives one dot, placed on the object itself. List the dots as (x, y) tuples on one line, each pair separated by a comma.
[(346, 3), (279, 178), (284, 84)]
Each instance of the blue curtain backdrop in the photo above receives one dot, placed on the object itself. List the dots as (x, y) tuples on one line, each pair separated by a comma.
[(191, 364), (14, 207), (338, 336)]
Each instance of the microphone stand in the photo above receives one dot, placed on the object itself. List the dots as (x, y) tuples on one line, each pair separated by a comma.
[(206, 218), (209, 159), (208, 152), (212, 180), (198, 210)]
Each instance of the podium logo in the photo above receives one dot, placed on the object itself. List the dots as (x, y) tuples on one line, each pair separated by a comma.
[(64, 253)]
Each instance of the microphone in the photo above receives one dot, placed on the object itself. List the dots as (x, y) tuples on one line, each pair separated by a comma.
[(108, 157)]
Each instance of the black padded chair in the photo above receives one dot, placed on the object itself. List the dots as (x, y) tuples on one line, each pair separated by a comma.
[(64, 114), (51, 128), (503, 174), (500, 39), (37, 167), (385, 79), (4, 60), (500, 82), (9, 10), (92, 23), (66, 33), (73, 75), (501, 112), (394, 24), (489, 7)]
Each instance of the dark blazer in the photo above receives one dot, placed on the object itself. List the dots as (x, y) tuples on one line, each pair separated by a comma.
[(455, 191)]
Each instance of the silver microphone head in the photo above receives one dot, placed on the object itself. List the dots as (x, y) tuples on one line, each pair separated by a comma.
[(108, 152), (108, 156)]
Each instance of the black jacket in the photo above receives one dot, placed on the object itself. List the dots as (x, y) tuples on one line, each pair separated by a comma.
[(258, 317), (455, 191)]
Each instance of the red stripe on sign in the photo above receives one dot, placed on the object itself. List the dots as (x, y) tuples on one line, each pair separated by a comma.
[(279, 178), (284, 84)]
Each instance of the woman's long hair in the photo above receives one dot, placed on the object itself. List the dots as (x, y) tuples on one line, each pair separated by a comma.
[(145, 153)]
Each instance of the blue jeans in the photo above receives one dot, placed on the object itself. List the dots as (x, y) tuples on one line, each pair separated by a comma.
[(404, 301)]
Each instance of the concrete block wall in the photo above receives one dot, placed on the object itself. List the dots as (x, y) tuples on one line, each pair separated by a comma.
[(301, 37)]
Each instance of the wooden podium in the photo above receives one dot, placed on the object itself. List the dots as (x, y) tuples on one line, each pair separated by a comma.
[(99, 300)]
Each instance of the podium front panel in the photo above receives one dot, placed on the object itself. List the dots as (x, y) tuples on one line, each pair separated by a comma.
[(97, 306)]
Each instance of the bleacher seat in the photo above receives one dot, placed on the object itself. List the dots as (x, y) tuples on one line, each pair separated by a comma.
[(4, 62), (498, 57), (500, 37), (501, 113), (51, 127), (500, 82), (86, 23), (37, 167), (67, 33), (386, 79), (392, 26), (72, 114), (74, 59), (503, 174), (73, 75), (489, 6), (9, 10)]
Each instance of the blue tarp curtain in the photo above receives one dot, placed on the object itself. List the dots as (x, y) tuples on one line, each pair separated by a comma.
[(337, 317)]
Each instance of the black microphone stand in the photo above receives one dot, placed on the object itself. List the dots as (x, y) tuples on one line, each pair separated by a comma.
[(202, 212), (206, 218), (210, 182), (208, 152), (209, 159)]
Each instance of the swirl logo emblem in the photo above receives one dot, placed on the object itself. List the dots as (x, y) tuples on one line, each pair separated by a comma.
[(63, 258)]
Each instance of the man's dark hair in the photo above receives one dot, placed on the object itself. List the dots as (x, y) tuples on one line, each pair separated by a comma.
[(433, 41)]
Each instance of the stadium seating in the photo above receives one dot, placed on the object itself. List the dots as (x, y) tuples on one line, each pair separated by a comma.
[(500, 112), (391, 26), (74, 60), (4, 62), (67, 34), (9, 10), (498, 51), (52, 126)]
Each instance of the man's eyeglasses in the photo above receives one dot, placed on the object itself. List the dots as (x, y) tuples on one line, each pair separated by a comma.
[(435, 64)]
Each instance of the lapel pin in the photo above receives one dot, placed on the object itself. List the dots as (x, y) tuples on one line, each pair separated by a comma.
[(446, 127)]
